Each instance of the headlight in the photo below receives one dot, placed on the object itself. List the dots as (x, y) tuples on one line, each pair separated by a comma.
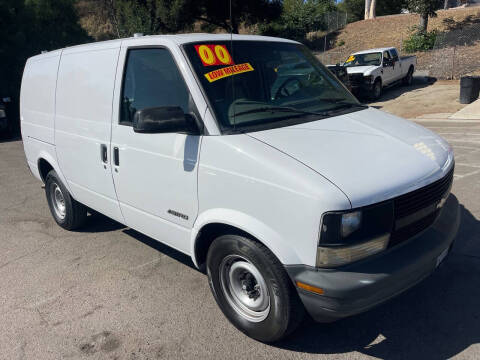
[(350, 222), (368, 79), (337, 256), (348, 236), (2, 113)]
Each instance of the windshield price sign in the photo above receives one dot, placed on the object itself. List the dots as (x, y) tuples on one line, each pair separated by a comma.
[(214, 55), (228, 71)]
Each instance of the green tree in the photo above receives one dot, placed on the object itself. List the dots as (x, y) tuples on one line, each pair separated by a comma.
[(300, 17), (171, 16), (55, 24), (424, 8), (247, 12), (27, 27), (150, 16)]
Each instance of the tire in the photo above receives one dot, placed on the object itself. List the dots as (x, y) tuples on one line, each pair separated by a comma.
[(377, 90), (407, 80), (67, 212), (271, 308)]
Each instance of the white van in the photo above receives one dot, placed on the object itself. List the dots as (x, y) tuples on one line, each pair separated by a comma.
[(248, 155)]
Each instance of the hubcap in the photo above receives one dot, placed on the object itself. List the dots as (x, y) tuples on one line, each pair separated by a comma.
[(58, 201), (245, 288)]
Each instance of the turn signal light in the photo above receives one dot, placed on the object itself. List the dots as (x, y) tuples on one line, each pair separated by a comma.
[(310, 288)]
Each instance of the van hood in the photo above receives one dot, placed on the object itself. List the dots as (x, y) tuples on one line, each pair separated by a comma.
[(370, 155), (361, 69)]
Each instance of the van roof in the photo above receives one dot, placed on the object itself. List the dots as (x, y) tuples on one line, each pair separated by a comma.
[(177, 38)]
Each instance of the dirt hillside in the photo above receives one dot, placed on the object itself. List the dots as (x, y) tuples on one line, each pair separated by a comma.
[(392, 30)]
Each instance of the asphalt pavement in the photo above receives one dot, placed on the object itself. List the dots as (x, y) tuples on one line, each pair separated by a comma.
[(108, 292)]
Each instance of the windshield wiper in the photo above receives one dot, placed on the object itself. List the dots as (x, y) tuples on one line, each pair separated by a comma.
[(337, 101), (342, 103), (279, 109)]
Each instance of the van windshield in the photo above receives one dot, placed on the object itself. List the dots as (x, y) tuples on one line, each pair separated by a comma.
[(258, 85)]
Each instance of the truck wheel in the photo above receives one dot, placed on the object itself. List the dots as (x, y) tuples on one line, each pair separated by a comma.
[(67, 212), (252, 288), (407, 80), (377, 89)]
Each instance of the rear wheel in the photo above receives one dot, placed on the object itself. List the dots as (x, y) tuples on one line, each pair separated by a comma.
[(407, 80), (67, 212), (252, 288)]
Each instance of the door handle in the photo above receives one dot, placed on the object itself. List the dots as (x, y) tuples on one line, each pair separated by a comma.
[(116, 156), (104, 153)]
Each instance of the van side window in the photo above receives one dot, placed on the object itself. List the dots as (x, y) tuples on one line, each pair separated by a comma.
[(151, 79)]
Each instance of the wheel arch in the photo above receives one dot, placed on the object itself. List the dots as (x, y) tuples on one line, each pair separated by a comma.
[(45, 164), (44, 167), (219, 222)]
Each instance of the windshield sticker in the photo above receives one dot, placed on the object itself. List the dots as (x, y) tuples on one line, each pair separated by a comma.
[(214, 55), (228, 71), (350, 59)]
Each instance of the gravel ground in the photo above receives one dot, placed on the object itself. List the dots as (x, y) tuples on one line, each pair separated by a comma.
[(109, 292)]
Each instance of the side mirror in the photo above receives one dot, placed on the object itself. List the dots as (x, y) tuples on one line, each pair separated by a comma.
[(387, 63), (164, 119)]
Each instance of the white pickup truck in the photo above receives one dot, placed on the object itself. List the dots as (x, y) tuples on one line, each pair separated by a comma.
[(369, 71)]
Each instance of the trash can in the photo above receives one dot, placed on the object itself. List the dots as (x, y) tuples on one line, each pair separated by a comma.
[(469, 89)]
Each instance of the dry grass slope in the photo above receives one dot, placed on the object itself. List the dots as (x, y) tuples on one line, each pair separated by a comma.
[(392, 30)]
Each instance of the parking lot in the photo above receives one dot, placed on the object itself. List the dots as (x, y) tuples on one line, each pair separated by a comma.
[(110, 292)]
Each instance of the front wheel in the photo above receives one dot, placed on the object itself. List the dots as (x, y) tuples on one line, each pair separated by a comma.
[(377, 90), (252, 288)]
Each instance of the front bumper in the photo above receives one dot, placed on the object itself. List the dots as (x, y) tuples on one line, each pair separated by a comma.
[(361, 88), (355, 288)]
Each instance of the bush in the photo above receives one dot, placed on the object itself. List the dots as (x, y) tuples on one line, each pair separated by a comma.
[(299, 18), (420, 41)]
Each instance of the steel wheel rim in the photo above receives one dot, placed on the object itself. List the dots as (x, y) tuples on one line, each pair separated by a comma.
[(244, 288), (58, 201)]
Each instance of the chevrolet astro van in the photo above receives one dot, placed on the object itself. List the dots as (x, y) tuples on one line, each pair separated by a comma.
[(247, 154)]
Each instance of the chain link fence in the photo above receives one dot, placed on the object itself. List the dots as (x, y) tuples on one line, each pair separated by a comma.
[(456, 52), (335, 20), (321, 40)]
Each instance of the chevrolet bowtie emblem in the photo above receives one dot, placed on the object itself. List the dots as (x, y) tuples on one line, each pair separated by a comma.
[(441, 202)]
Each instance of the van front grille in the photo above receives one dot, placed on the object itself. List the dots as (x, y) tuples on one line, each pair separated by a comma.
[(420, 208)]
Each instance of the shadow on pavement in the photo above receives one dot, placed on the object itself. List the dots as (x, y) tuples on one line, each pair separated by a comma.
[(398, 90), (98, 223), (436, 319), (160, 247)]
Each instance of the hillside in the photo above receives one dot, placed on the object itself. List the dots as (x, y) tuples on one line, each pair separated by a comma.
[(392, 30)]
